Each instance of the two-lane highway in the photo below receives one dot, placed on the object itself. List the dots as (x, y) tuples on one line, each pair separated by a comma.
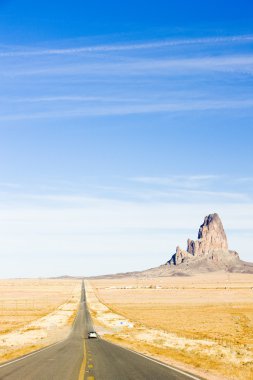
[(103, 360)]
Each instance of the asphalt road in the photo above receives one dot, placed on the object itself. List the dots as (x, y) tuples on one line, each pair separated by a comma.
[(104, 361)]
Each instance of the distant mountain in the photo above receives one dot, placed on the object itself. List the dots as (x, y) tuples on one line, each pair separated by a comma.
[(211, 244), (208, 253)]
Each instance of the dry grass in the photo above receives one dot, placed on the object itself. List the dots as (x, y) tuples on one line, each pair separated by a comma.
[(19, 352), (22, 301), (227, 324), (215, 307), (72, 318), (35, 313)]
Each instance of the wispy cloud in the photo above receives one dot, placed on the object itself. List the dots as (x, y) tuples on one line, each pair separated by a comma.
[(128, 109), (190, 187), (183, 188), (218, 195), (126, 47), (67, 98), (190, 180), (134, 66)]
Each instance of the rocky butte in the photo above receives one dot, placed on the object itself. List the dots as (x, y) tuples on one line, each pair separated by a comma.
[(209, 252)]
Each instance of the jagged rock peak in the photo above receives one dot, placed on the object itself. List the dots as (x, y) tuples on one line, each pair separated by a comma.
[(212, 240), (211, 228), (211, 237)]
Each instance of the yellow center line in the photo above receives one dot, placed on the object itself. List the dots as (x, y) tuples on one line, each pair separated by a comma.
[(90, 365), (91, 378), (82, 369)]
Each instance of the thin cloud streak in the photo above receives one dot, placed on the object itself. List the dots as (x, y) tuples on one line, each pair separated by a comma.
[(136, 109), (176, 179), (183, 191), (115, 214), (240, 63), (69, 98), (126, 47)]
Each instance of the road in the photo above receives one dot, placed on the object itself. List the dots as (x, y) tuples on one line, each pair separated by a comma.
[(103, 360)]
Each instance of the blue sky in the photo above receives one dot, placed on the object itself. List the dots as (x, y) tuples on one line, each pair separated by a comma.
[(121, 127)]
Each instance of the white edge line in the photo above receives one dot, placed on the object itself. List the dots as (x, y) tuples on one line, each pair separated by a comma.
[(156, 361), (31, 354), (149, 358)]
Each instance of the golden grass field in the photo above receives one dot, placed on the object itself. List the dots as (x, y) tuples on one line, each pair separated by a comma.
[(34, 313), (216, 308)]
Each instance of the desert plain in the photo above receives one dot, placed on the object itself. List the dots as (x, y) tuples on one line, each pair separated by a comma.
[(203, 323), (35, 313)]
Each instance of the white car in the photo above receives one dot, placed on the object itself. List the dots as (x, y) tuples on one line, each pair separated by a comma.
[(92, 334)]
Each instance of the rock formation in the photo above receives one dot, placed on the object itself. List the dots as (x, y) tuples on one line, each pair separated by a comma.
[(211, 243), (209, 253)]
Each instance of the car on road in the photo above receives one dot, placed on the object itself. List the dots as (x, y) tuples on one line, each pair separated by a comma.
[(92, 334)]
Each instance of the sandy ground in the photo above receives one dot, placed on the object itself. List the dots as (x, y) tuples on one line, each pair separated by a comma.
[(35, 313), (205, 321)]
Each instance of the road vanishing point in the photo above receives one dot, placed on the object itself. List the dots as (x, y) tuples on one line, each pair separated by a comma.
[(79, 358)]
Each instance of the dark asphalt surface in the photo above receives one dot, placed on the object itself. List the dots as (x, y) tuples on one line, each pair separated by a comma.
[(104, 361)]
